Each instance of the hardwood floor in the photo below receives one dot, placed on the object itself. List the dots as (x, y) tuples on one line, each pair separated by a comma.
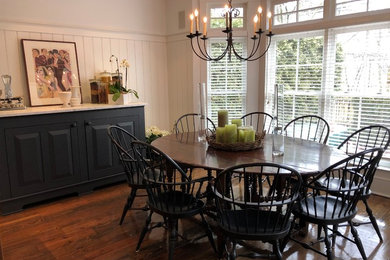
[(87, 227)]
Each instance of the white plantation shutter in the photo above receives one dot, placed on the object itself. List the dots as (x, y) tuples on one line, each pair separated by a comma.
[(359, 76), (227, 81), (341, 74)]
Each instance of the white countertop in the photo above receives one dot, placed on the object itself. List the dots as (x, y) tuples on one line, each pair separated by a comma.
[(59, 109)]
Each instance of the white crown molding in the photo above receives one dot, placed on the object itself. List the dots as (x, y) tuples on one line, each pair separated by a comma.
[(106, 32), (177, 37)]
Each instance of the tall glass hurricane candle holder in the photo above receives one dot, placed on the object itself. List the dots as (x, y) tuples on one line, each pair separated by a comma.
[(203, 112), (278, 141)]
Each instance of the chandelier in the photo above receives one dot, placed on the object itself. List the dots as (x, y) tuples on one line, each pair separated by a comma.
[(229, 14)]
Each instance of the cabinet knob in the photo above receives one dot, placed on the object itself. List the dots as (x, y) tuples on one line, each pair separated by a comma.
[(88, 123), (74, 124)]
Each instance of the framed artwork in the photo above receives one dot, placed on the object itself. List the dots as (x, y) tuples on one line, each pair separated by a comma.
[(51, 67)]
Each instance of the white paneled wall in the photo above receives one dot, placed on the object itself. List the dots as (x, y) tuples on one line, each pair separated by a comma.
[(181, 86), (147, 56)]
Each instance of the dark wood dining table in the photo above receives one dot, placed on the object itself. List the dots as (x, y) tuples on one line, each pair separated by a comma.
[(305, 156)]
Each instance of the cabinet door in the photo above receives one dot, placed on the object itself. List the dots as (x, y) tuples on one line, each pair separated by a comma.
[(102, 158), (42, 157)]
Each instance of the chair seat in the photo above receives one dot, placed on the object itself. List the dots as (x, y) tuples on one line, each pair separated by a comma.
[(335, 183), (328, 212), (176, 203), (253, 224)]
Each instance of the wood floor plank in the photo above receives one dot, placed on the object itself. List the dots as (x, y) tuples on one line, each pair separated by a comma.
[(87, 227)]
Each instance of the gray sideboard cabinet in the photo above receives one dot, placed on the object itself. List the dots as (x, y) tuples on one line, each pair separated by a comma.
[(43, 156)]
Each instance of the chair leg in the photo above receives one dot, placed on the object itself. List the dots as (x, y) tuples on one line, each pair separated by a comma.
[(357, 240), (144, 230), (329, 252), (319, 232), (209, 234), (129, 203), (372, 219), (172, 229), (335, 228), (230, 247), (287, 238), (209, 189), (276, 249)]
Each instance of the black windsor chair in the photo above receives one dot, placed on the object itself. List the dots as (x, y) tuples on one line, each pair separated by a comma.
[(257, 208), (122, 142), (333, 204), (191, 123), (308, 127), (373, 136), (172, 193), (259, 121)]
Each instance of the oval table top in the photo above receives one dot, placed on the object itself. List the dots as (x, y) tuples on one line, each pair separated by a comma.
[(307, 157)]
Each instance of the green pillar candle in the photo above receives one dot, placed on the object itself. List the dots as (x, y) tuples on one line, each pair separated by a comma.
[(220, 134), (249, 136), (230, 134), (237, 122), (223, 118), (241, 135)]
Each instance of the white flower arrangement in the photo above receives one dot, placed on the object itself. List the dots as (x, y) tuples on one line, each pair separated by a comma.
[(153, 132)]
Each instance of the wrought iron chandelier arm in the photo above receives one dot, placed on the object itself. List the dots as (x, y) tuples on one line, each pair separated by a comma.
[(269, 44), (254, 50), (205, 54), (236, 53), (209, 58), (193, 49)]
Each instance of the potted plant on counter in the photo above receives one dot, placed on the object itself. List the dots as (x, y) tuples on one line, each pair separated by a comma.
[(119, 94)]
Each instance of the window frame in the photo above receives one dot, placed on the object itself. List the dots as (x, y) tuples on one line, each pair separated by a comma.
[(329, 22), (277, 2), (221, 5)]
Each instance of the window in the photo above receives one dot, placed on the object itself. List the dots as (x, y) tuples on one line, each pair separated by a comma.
[(344, 79), (297, 11), (227, 81), (217, 18), (344, 7)]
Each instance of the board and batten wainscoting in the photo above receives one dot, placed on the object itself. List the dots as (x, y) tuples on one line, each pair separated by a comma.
[(147, 55)]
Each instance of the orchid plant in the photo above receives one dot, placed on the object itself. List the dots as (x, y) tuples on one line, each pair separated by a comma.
[(117, 88)]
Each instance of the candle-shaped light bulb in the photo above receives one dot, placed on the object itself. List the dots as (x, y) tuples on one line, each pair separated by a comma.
[(196, 13), (269, 15), (260, 11), (255, 20), (205, 26), (227, 15), (192, 23)]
